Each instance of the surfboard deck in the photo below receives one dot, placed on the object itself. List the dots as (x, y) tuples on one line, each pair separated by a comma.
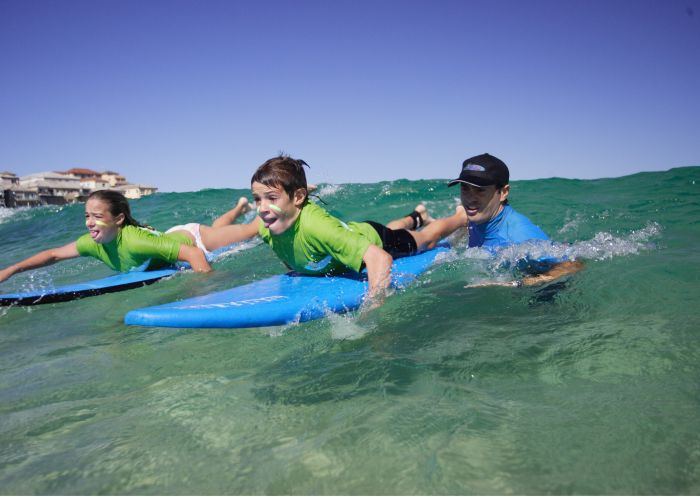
[(115, 283), (278, 300)]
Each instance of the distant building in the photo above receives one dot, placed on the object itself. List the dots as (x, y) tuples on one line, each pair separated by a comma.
[(136, 191), (114, 179), (81, 173), (14, 195), (90, 179), (93, 184), (7, 177), (55, 188), (58, 188), (21, 197)]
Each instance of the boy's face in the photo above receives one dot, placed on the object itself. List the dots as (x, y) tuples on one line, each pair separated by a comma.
[(482, 203), (276, 209)]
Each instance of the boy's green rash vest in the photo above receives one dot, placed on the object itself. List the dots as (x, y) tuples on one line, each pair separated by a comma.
[(319, 243), (133, 247)]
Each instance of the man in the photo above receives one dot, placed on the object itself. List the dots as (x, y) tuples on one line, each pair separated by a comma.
[(492, 223)]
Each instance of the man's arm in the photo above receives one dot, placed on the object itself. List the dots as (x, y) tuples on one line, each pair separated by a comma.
[(558, 270)]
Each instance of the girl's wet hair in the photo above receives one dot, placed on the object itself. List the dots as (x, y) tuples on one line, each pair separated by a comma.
[(117, 204), (282, 172)]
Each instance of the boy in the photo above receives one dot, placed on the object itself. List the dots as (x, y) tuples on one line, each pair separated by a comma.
[(311, 241)]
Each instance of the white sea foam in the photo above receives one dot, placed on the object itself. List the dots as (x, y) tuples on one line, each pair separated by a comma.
[(249, 216), (602, 246), (6, 214), (238, 247), (347, 327), (21, 213), (571, 225), (328, 190), (606, 245)]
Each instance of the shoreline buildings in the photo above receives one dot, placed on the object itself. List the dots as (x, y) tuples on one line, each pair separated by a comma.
[(59, 188)]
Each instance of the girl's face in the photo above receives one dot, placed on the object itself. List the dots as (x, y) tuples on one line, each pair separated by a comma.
[(103, 227), (276, 209)]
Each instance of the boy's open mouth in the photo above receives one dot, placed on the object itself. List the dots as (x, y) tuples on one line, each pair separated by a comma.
[(269, 220)]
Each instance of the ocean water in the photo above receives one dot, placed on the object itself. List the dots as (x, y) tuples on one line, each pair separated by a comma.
[(586, 386)]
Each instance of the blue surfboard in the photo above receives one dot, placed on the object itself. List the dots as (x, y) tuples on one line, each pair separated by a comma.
[(115, 283), (279, 300)]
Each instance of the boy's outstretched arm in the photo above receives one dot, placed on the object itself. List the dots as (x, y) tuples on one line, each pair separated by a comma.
[(44, 258), (378, 264)]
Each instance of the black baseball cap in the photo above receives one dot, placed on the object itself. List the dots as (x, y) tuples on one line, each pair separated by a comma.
[(483, 170)]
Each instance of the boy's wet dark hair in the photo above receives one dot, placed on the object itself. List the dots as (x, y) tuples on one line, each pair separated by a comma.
[(282, 172), (118, 204)]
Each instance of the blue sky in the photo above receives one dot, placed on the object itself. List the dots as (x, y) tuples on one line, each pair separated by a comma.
[(185, 95)]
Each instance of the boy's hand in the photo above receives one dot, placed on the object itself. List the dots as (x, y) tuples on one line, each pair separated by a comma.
[(378, 264)]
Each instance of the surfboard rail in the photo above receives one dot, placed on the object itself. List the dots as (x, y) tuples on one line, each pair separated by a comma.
[(110, 284)]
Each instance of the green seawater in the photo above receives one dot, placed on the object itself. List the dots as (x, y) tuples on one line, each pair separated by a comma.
[(588, 386)]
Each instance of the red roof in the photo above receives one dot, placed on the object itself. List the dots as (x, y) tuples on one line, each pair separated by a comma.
[(81, 172)]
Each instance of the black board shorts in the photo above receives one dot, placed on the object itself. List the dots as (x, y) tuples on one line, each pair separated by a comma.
[(399, 243)]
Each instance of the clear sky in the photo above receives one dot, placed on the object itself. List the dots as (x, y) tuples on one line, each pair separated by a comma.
[(185, 95)]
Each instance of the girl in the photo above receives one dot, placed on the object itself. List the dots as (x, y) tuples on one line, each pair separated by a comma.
[(311, 241), (118, 240)]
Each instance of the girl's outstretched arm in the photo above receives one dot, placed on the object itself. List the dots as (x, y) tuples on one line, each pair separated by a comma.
[(215, 238), (45, 258)]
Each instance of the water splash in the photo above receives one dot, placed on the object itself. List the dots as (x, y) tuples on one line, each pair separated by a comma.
[(347, 327), (572, 225), (328, 190), (28, 213), (238, 247), (603, 246), (17, 213), (6, 214)]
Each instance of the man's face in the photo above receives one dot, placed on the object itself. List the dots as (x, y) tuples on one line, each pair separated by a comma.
[(482, 203)]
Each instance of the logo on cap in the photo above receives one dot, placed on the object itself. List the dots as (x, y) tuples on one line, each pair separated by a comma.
[(473, 167)]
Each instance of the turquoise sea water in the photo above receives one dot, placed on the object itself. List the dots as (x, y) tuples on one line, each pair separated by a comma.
[(586, 387)]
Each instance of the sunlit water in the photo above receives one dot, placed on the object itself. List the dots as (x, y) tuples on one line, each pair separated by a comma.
[(587, 386)]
